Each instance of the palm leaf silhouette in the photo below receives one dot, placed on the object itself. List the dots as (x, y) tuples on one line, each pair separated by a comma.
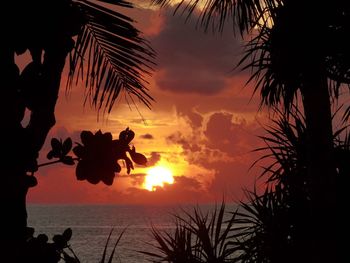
[(110, 56), (199, 236), (216, 13)]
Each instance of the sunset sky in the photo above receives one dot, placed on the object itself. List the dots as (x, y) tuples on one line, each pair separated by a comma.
[(202, 127)]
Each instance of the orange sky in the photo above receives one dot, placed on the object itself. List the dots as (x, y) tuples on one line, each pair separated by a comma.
[(202, 126)]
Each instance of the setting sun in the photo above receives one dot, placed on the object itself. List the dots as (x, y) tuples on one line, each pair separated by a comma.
[(157, 176)]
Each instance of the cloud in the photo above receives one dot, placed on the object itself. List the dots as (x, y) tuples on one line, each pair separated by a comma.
[(186, 182), (188, 143), (191, 61), (223, 144), (222, 133), (202, 126), (147, 136), (184, 190), (195, 118), (153, 160)]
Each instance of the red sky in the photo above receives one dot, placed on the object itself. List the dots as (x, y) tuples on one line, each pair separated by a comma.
[(202, 126)]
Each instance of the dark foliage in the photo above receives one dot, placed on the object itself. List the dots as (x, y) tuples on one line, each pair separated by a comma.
[(39, 249), (275, 225), (110, 54), (198, 237), (97, 155)]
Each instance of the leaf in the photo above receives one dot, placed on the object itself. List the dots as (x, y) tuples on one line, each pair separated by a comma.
[(56, 146), (110, 55), (118, 2), (68, 160), (117, 168), (108, 180), (108, 136), (67, 234), (59, 241), (69, 259), (42, 238), (67, 146), (218, 14), (115, 246), (50, 155), (80, 171), (79, 151), (86, 137), (106, 245), (138, 157), (129, 165)]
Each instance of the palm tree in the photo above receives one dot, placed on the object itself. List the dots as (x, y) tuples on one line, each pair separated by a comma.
[(274, 223), (298, 49), (104, 49)]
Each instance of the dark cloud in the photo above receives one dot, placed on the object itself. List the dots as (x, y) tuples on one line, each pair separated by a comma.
[(147, 136), (191, 61), (136, 179), (233, 137), (184, 183), (195, 118), (231, 178), (224, 136), (183, 190), (223, 144), (189, 144), (136, 175), (187, 182), (153, 160)]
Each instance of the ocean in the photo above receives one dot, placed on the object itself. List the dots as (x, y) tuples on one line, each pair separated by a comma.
[(91, 225)]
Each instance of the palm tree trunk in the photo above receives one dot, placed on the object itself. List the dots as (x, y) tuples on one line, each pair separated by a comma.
[(321, 169)]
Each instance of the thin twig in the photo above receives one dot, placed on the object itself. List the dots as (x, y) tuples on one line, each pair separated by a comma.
[(53, 162)]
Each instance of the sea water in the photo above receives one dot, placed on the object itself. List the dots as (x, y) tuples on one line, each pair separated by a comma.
[(91, 225)]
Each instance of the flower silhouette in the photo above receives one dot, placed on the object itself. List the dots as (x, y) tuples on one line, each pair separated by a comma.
[(98, 156)]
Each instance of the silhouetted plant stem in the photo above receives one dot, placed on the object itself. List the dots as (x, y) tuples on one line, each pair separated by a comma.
[(75, 256), (54, 162)]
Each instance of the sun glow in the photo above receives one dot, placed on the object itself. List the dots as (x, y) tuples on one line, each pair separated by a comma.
[(157, 176)]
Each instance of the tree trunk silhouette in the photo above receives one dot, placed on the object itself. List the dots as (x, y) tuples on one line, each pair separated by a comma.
[(321, 165), (21, 144), (13, 191)]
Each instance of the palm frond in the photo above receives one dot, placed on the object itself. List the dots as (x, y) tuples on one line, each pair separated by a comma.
[(286, 147), (198, 237), (176, 247), (110, 56), (246, 14), (275, 224), (277, 83), (264, 228), (104, 254)]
